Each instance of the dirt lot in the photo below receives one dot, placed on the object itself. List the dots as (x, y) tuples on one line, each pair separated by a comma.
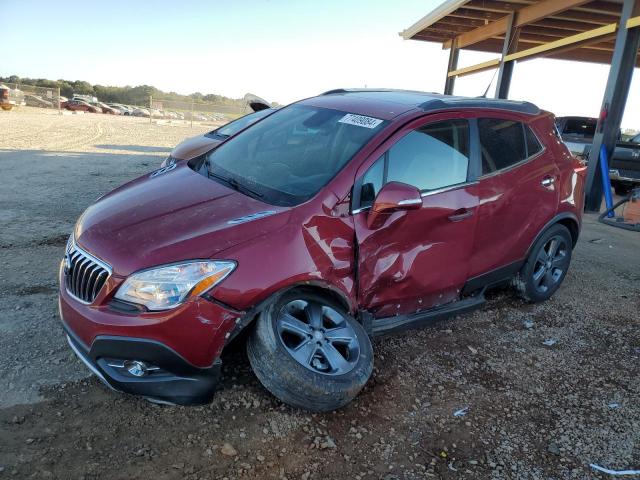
[(534, 411)]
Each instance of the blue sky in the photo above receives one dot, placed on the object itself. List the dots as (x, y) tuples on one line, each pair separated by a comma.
[(279, 50)]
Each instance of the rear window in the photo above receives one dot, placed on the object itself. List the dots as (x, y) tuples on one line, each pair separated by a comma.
[(580, 127), (502, 142)]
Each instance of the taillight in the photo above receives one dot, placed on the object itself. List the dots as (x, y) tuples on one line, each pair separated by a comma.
[(5, 93)]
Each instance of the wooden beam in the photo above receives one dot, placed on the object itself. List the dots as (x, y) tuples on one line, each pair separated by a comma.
[(540, 40), (570, 26), (586, 17), (633, 22), (524, 16), (480, 67), (494, 6), (475, 14), (572, 40)]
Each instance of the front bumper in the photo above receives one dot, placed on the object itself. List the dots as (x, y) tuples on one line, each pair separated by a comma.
[(180, 347), (170, 379)]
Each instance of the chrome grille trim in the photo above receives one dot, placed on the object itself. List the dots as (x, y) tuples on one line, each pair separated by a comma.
[(84, 274)]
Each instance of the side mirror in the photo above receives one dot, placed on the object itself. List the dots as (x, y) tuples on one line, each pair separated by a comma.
[(392, 197)]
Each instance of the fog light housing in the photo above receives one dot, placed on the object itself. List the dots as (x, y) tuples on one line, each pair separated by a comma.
[(136, 368)]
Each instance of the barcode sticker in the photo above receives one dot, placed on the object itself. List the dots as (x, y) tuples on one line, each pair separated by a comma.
[(360, 120)]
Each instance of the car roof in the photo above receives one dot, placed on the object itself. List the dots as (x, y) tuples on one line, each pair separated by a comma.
[(388, 104)]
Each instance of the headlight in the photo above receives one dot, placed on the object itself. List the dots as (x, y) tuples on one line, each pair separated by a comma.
[(166, 287)]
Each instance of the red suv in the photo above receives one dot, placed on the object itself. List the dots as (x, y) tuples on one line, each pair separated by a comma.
[(335, 219)]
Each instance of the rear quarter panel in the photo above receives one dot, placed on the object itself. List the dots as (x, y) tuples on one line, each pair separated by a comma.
[(571, 173)]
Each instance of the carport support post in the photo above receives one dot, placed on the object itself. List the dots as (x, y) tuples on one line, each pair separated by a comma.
[(453, 64), (59, 108), (615, 97), (505, 71)]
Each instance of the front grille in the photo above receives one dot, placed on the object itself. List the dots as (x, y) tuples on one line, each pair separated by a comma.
[(84, 274)]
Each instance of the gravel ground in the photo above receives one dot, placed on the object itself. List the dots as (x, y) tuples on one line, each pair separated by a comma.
[(529, 410)]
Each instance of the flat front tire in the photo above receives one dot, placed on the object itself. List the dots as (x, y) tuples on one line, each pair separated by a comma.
[(309, 352)]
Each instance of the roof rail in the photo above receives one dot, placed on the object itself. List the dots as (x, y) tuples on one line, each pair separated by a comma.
[(335, 90)]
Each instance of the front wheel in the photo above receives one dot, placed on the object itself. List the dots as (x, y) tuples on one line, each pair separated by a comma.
[(546, 266), (309, 352)]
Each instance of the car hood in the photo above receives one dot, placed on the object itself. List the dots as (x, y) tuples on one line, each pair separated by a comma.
[(193, 147), (169, 217)]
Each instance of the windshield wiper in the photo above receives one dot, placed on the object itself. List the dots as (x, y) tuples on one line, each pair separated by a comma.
[(233, 183)]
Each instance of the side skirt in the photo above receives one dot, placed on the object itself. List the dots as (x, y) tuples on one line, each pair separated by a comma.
[(383, 326)]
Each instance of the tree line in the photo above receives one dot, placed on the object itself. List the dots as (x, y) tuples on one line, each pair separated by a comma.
[(129, 95)]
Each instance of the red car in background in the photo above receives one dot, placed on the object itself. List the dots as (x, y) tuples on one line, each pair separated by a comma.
[(106, 108), (80, 106), (330, 221)]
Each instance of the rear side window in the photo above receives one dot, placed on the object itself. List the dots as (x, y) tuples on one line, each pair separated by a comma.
[(432, 157), (502, 143), (533, 144)]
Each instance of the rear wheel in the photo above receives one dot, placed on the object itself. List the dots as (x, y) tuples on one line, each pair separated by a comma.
[(309, 352), (7, 107), (546, 266)]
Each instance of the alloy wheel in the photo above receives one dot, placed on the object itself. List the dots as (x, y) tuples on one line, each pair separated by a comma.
[(318, 337), (550, 264)]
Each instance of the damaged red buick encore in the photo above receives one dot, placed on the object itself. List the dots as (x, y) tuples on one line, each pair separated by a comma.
[(338, 218)]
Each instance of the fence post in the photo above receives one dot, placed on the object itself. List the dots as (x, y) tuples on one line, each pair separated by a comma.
[(150, 107), (59, 108), (192, 101)]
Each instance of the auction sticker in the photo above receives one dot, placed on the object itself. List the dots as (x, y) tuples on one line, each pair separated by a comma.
[(360, 120)]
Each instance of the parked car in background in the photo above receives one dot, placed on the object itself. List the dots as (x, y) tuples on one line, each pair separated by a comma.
[(624, 165), (85, 98), (194, 146), (106, 108), (141, 112), (121, 108), (80, 106), (332, 220), (37, 101), (577, 133)]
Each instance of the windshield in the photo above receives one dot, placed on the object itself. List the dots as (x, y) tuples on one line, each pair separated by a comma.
[(290, 155), (234, 127)]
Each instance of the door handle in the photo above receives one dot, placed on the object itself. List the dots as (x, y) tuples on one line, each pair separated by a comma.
[(460, 214), (547, 182)]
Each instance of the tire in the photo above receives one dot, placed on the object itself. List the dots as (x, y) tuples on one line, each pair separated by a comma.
[(295, 323), (546, 266), (6, 108), (621, 189)]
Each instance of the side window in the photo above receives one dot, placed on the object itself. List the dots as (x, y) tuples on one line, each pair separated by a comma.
[(431, 157), (372, 182), (533, 144), (502, 143)]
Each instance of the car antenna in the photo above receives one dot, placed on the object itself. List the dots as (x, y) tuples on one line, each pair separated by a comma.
[(497, 69)]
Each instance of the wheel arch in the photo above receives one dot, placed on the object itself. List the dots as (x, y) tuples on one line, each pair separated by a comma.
[(251, 315), (566, 219)]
